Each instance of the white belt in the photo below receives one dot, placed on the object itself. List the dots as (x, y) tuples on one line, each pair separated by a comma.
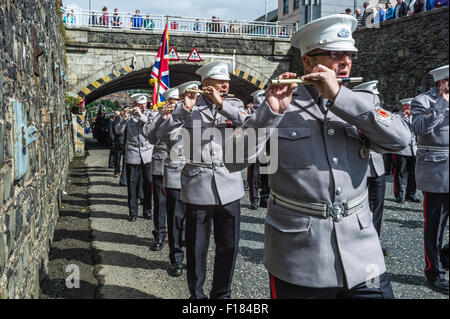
[(177, 159), (213, 165), (138, 144), (336, 211), (433, 148), (161, 147)]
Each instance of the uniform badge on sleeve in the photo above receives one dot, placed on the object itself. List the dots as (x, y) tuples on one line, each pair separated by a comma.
[(383, 117)]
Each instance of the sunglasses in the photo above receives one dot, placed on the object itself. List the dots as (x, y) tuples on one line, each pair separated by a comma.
[(337, 55)]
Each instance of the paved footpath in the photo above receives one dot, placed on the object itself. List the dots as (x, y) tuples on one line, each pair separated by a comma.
[(125, 267)]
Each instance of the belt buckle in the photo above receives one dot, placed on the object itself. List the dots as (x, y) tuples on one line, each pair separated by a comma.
[(336, 211), (216, 165)]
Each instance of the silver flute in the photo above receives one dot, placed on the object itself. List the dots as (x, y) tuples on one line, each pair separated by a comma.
[(300, 81)]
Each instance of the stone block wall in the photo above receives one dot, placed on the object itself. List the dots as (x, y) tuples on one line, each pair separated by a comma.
[(33, 73), (401, 52)]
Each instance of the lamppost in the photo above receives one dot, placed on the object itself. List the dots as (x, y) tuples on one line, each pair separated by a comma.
[(265, 8)]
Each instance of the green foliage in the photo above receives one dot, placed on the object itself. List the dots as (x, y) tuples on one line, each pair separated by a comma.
[(73, 104)]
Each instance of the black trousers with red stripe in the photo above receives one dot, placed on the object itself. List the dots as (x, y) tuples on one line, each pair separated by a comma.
[(159, 209), (175, 222), (380, 289), (226, 221), (403, 164), (377, 191), (435, 213)]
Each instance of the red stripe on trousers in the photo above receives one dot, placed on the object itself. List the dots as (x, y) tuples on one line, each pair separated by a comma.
[(424, 229), (395, 161), (273, 289)]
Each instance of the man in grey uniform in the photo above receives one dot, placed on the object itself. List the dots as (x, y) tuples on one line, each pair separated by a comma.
[(430, 122), (255, 179), (211, 193), (138, 153), (172, 183), (159, 157), (376, 179), (405, 160), (319, 239)]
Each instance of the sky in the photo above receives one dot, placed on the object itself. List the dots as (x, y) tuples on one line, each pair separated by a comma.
[(225, 9)]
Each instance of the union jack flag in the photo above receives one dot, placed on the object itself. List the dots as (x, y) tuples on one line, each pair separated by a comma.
[(160, 72)]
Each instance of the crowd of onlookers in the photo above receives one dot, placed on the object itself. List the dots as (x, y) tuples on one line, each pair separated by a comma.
[(397, 10), (138, 21)]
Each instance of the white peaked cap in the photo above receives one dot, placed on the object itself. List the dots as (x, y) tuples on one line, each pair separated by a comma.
[(368, 86), (188, 85), (218, 70), (331, 33), (257, 95), (440, 73), (406, 101), (171, 93), (139, 98)]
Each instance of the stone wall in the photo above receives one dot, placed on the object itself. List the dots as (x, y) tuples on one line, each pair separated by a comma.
[(32, 73), (399, 54)]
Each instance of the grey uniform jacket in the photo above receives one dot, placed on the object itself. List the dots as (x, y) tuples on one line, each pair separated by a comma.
[(138, 149), (159, 150), (430, 123), (376, 164), (203, 133), (175, 161), (319, 162), (411, 149)]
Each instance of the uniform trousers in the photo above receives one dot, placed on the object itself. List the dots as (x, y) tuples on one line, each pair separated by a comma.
[(255, 181), (377, 191), (175, 223), (435, 213), (380, 289), (159, 209), (404, 164), (226, 222), (137, 173), (117, 158)]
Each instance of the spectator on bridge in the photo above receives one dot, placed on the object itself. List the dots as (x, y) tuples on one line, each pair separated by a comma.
[(93, 19), (358, 16), (401, 9), (418, 6), (148, 23), (115, 21), (196, 26), (366, 14), (69, 18), (440, 3), (380, 16), (137, 20), (349, 12), (389, 11), (104, 19)]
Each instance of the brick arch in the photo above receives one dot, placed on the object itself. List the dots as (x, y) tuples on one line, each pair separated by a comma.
[(119, 70)]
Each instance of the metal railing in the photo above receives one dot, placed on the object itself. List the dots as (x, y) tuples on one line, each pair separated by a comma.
[(188, 25)]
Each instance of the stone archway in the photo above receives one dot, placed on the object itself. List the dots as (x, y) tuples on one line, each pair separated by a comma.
[(134, 73)]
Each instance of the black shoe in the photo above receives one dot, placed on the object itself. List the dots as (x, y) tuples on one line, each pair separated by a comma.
[(385, 252), (263, 203), (412, 198), (132, 219), (157, 246), (175, 270), (254, 206), (148, 215), (439, 285), (123, 184), (444, 257), (398, 199)]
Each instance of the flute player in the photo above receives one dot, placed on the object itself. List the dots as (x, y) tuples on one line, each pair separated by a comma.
[(319, 239)]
